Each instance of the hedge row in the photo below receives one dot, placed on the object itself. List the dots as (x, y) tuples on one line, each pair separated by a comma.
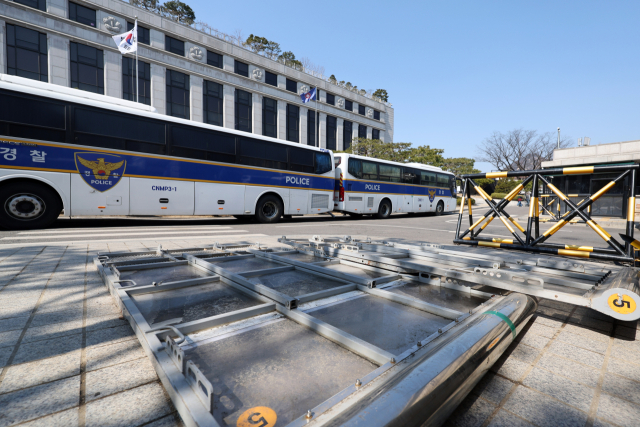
[(458, 199)]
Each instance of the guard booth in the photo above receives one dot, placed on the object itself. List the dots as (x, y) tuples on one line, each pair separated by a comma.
[(612, 204)]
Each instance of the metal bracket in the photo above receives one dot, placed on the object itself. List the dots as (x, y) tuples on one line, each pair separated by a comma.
[(200, 384), (504, 275), (346, 239), (568, 265), (124, 281), (176, 353)]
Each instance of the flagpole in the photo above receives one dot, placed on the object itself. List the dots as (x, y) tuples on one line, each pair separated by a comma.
[(135, 25), (317, 120)]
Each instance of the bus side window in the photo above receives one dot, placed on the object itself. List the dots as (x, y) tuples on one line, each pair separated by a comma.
[(369, 170), (300, 160), (411, 176), (389, 173), (323, 163), (443, 180), (428, 178), (202, 144), (264, 154), (24, 117), (355, 167)]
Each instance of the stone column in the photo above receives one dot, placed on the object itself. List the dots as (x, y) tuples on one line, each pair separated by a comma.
[(354, 129), (229, 106), (59, 60), (369, 132), (256, 111), (322, 137), (58, 8), (282, 119), (159, 88), (339, 132), (195, 98), (282, 82), (304, 122), (228, 63), (3, 50), (113, 74), (156, 38)]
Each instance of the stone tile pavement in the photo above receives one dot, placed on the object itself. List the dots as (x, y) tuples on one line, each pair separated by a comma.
[(68, 358)]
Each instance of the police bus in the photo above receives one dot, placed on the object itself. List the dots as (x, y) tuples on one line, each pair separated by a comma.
[(71, 152), (366, 186)]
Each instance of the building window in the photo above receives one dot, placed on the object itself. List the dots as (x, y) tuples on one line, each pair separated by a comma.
[(143, 33), (347, 134), (375, 134), (313, 127), (129, 80), (293, 123), (376, 115), (292, 86), (241, 68), (332, 128), (270, 117), (87, 68), (348, 105), (177, 94), (331, 99), (243, 110), (212, 103), (214, 59), (82, 14), (271, 78), (174, 45), (362, 131), (36, 4), (27, 53), (361, 110)]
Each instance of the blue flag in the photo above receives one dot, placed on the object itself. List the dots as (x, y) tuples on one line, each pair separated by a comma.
[(309, 96)]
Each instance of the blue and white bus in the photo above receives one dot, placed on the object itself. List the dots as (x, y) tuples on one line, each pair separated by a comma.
[(70, 152), (366, 186)]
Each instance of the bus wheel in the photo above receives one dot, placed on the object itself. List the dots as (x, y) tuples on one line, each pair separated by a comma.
[(28, 205), (384, 211), (440, 208), (269, 209)]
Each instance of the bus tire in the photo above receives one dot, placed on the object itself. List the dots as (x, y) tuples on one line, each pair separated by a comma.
[(269, 209), (28, 205), (440, 208), (384, 210)]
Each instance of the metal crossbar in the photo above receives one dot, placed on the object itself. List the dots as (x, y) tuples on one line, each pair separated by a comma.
[(531, 239)]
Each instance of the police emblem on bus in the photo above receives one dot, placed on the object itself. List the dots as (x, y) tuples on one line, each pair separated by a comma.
[(432, 195), (101, 171)]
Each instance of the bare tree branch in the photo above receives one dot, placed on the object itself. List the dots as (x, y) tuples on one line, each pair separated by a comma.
[(519, 149)]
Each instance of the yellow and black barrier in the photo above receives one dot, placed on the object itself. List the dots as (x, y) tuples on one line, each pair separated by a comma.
[(532, 240)]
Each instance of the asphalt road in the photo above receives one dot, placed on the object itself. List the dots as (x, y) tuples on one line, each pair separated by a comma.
[(400, 227)]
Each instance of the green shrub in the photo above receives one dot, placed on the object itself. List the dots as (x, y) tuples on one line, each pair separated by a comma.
[(473, 201), (498, 195), (505, 185)]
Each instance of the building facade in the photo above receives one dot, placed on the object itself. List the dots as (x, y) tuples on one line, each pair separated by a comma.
[(182, 72), (614, 202)]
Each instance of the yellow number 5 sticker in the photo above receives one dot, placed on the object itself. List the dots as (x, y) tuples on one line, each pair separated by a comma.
[(260, 416), (624, 305)]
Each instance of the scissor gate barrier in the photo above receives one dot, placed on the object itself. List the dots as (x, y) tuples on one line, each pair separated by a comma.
[(530, 239), (338, 331)]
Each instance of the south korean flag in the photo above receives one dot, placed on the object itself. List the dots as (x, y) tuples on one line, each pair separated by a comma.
[(127, 42)]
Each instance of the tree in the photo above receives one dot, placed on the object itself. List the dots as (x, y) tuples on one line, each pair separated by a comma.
[(256, 43), (519, 149), (394, 151), (426, 155), (178, 11), (272, 49), (289, 59), (332, 79), (382, 94), (151, 5), (505, 185)]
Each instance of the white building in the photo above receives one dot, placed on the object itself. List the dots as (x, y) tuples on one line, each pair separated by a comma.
[(183, 72)]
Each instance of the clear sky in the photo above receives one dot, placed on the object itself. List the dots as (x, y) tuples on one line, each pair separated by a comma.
[(458, 70)]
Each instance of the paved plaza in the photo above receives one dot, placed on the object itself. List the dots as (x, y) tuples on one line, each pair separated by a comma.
[(68, 358)]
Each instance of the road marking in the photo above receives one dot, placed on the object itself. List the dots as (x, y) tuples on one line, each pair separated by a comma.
[(102, 229), (136, 233), (73, 242)]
